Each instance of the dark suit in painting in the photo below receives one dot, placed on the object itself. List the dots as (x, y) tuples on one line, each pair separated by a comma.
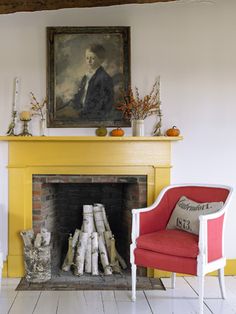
[(98, 101)]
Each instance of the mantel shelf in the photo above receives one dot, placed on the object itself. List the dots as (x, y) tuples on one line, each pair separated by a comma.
[(89, 138)]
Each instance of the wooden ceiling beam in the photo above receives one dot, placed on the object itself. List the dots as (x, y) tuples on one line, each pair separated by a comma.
[(12, 6)]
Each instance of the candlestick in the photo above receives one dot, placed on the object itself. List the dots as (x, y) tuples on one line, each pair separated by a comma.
[(11, 127), (158, 88), (16, 93), (25, 117)]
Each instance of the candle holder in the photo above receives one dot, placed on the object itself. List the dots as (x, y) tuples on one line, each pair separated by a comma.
[(11, 128), (25, 117)]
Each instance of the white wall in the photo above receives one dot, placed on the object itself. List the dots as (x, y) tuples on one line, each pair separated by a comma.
[(190, 44)]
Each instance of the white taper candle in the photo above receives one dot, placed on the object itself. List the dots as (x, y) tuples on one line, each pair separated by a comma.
[(16, 93)]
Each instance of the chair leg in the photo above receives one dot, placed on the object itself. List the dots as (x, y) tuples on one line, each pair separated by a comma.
[(173, 280), (221, 278), (200, 292), (133, 275)]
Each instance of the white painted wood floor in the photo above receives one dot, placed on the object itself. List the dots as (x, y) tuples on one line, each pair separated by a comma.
[(181, 300)]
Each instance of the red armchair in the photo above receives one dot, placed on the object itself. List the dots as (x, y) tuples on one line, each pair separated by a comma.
[(175, 250)]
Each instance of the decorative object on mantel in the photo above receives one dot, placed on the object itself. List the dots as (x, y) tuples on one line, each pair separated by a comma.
[(11, 127), (137, 109), (157, 130), (25, 117), (37, 256), (39, 109), (101, 131), (94, 237), (174, 131), (117, 132)]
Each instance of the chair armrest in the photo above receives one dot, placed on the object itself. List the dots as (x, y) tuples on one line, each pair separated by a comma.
[(211, 235), (150, 219)]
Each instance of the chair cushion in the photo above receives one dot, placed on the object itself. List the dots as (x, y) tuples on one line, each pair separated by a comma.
[(171, 242), (185, 215)]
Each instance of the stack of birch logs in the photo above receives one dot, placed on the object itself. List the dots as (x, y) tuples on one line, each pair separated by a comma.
[(94, 239), (37, 256)]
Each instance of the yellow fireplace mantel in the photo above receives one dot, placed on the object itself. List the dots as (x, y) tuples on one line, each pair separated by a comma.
[(91, 138), (150, 156)]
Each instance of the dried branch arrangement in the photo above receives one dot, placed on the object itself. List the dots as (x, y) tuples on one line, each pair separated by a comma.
[(38, 109), (135, 107), (94, 239)]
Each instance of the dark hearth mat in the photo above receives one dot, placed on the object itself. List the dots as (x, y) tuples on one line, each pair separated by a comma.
[(88, 282)]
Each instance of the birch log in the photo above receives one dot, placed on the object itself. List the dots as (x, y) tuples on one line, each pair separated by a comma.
[(80, 253), (105, 220), (46, 237), (88, 224), (103, 255), (69, 259), (88, 256), (94, 253), (75, 238), (111, 249), (69, 256), (38, 240), (108, 236), (98, 217), (28, 237)]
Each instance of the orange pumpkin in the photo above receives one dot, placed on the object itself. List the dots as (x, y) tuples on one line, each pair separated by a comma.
[(174, 131), (117, 132)]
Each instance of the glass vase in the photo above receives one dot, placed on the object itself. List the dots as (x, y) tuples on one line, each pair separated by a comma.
[(138, 127), (42, 127)]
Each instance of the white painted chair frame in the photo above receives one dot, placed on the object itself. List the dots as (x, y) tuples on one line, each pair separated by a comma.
[(203, 267)]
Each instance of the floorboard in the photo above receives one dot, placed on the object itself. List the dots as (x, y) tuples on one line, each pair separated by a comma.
[(181, 300)]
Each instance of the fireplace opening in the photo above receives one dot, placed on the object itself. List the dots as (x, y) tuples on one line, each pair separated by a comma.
[(58, 206)]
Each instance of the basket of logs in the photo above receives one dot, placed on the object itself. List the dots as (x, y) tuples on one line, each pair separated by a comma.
[(37, 255)]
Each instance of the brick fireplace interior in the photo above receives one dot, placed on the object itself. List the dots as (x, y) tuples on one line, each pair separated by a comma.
[(58, 205)]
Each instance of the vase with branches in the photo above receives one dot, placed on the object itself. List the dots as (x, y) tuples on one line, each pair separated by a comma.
[(137, 108), (39, 109)]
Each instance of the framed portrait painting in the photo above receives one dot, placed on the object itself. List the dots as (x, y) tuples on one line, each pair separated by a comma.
[(88, 71)]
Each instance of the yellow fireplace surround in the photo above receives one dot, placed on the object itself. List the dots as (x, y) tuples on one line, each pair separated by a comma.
[(150, 156), (85, 155)]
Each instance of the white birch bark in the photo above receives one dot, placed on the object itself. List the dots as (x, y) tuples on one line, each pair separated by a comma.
[(80, 253), (105, 220), (88, 256), (75, 238), (108, 236), (112, 253), (46, 236), (95, 253), (69, 259), (103, 255), (38, 240), (98, 218), (28, 237), (88, 224)]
